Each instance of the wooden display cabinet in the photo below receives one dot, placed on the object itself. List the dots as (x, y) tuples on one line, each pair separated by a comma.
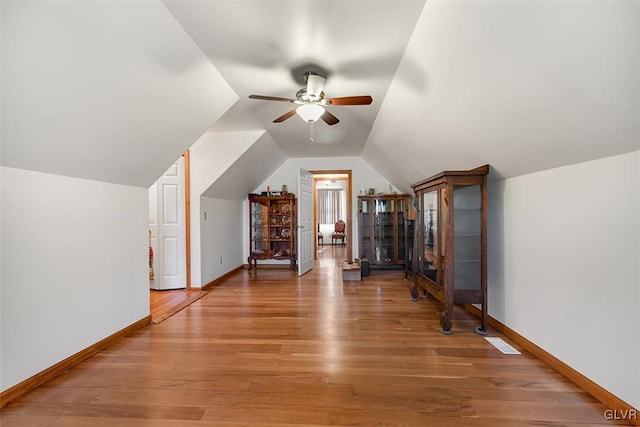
[(382, 231), (410, 226), (450, 241), (272, 228)]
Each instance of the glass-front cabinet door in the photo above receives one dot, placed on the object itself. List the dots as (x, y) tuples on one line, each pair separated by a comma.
[(280, 234), (259, 230), (467, 238), (431, 256), (384, 231), (402, 206), (365, 229)]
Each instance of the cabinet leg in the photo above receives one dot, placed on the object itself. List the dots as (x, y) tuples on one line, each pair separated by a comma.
[(447, 311), (445, 320), (481, 331), (415, 292)]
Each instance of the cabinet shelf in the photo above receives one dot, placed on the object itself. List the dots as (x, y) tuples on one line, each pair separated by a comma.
[(272, 228)]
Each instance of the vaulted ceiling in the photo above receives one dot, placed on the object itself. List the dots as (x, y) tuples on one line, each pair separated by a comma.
[(115, 91)]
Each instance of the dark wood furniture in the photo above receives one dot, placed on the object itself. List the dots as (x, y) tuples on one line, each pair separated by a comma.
[(272, 228), (339, 232), (410, 226), (382, 232), (450, 241)]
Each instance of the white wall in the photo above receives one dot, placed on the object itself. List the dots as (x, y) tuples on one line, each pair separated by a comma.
[(74, 267), (564, 249), (209, 158), (362, 176), (221, 236)]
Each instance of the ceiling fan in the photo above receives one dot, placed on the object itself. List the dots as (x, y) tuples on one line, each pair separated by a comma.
[(311, 101)]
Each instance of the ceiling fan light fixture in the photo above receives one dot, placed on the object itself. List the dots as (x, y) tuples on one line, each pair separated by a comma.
[(310, 112)]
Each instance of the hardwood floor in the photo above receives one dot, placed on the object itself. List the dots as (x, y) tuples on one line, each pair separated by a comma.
[(164, 304), (268, 348)]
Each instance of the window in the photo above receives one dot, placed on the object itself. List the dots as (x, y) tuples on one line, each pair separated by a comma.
[(330, 205)]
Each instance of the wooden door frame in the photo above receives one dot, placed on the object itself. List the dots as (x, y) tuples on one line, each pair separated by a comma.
[(348, 179), (187, 221)]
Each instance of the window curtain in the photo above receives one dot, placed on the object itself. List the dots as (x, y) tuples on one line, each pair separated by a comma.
[(329, 205)]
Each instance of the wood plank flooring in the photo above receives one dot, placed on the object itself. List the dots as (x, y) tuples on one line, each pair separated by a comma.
[(266, 348), (164, 304)]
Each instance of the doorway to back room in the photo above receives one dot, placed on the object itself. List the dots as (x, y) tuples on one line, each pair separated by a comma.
[(332, 204)]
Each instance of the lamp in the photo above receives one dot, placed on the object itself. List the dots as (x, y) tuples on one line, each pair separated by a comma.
[(310, 112)]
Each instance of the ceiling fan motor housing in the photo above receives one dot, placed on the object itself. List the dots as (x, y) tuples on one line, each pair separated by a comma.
[(315, 85), (304, 97)]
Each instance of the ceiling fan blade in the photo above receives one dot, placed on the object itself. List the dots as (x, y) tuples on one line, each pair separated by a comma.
[(271, 98), (350, 100), (329, 118), (285, 116)]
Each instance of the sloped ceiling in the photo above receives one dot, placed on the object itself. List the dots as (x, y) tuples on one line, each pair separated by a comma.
[(523, 86), (214, 153), (109, 91), (252, 167), (261, 47), (115, 91)]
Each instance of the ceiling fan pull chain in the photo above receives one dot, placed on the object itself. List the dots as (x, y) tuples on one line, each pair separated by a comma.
[(311, 132)]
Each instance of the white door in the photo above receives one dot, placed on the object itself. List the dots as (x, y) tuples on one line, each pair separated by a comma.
[(168, 231), (306, 229)]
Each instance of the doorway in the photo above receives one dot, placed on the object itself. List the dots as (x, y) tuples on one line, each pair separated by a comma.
[(334, 187), (169, 242), (167, 229)]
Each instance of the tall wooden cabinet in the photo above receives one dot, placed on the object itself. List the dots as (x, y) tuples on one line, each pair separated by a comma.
[(450, 241), (410, 226), (382, 231), (272, 228)]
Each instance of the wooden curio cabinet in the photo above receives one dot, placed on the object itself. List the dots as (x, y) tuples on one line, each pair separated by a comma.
[(382, 231), (450, 241), (272, 228)]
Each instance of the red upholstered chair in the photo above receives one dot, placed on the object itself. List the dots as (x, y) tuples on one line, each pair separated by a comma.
[(339, 232)]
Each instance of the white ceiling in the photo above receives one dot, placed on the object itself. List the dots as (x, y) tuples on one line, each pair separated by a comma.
[(521, 85), (115, 91), (109, 91), (261, 47)]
